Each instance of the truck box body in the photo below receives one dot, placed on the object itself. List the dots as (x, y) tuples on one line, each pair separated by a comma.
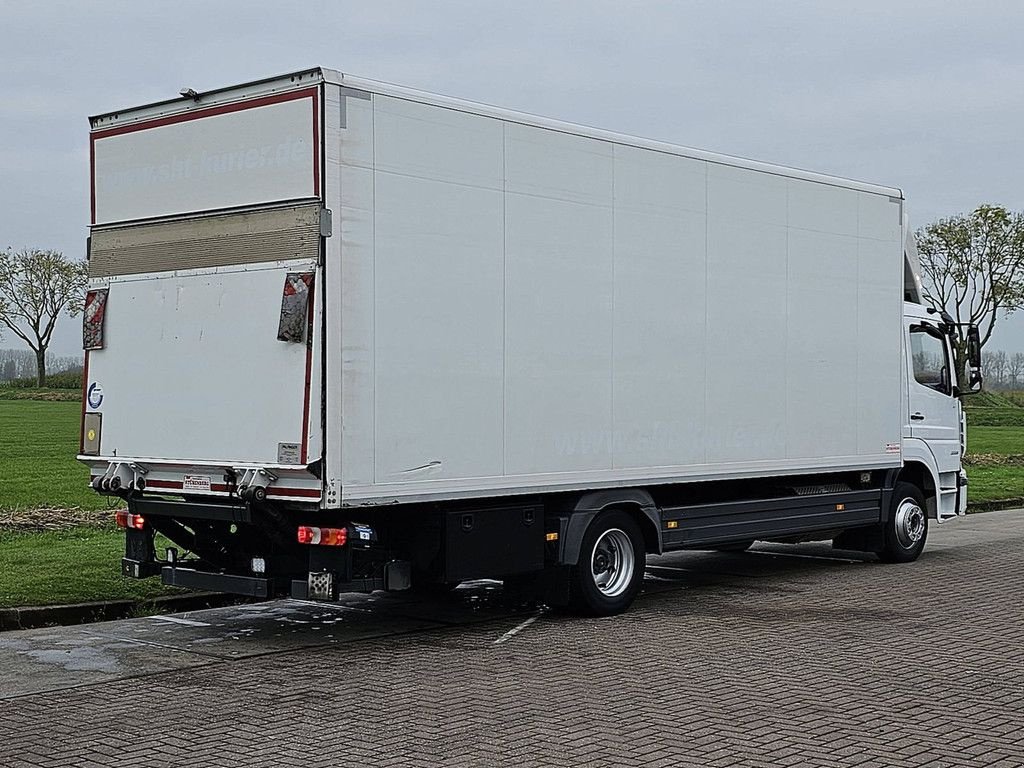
[(512, 305), (524, 307), (318, 293)]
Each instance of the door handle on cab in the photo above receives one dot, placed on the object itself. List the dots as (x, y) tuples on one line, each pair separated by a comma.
[(917, 416)]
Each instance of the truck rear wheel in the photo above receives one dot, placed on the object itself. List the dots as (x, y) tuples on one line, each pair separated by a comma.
[(610, 570), (907, 528)]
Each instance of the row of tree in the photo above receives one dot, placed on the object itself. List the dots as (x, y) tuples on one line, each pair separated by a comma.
[(1003, 371), (21, 364)]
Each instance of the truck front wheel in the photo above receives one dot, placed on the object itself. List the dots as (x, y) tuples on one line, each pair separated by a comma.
[(907, 529), (610, 570)]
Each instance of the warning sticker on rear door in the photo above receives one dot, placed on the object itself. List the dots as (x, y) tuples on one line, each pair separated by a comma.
[(196, 483), (288, 453)]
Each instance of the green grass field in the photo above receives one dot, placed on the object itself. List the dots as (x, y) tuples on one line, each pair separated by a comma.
[(1007, 441), (987, 483), (995, 409), (38, 443), (76, 566), (992, 480)]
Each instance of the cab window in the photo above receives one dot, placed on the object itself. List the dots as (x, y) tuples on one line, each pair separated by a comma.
[(931, 364)]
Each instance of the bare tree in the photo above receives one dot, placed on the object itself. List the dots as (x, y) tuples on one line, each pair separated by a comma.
[(1014, 369), (37, 287), (21, 364), (994, 365), (973, 266)]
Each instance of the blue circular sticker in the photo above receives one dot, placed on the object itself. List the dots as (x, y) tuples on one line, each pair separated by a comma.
[(94, 397)]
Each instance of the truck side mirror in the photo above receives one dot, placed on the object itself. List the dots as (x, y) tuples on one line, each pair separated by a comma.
[(974, 358)]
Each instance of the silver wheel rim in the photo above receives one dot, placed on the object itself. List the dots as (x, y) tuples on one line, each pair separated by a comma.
[(910, 523), (612, 562)]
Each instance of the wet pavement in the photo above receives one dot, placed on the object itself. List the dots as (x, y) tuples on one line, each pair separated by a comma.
[(57, 657)]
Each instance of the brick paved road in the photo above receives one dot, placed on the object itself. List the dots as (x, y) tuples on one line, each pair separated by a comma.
[(783, 656)]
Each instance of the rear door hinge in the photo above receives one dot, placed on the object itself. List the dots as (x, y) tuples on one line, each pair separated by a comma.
[(325, 222)]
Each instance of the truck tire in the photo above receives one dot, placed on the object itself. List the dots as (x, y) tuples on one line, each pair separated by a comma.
[(904, 534), (610, 570)]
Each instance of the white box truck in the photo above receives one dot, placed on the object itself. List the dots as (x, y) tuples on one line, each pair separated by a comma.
[(343, 335)]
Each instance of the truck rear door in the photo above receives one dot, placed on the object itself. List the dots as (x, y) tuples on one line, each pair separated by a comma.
[(202, 326)]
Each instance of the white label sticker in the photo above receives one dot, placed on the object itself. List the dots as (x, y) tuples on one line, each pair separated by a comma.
[(288, 453), (892, 447), (196, 483)]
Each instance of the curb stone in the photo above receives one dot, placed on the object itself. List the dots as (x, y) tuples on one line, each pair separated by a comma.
[(30, 617), (995, 506)]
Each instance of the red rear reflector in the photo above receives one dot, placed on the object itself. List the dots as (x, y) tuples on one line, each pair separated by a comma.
[(126, 520), (331, 537), (92, 318), (295, 300)]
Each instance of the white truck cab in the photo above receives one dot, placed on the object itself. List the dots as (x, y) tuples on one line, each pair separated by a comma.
[(933, 432), (934, 424)]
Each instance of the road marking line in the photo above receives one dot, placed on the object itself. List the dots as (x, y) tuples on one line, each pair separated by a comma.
[(176, 620), (515, 631)]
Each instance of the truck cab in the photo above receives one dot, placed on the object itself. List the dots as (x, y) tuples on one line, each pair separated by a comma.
[(934, 425)]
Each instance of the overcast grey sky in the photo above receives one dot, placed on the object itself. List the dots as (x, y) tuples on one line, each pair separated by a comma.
[(927, 96)]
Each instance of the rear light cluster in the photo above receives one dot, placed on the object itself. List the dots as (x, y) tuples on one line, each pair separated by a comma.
[(295, 300), (125, 519), (92, 318), (332, 537)]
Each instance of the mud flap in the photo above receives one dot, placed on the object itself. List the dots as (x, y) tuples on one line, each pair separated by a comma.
[(555, 582)]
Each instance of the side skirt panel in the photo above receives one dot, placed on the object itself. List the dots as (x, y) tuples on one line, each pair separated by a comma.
[(691, 526)]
